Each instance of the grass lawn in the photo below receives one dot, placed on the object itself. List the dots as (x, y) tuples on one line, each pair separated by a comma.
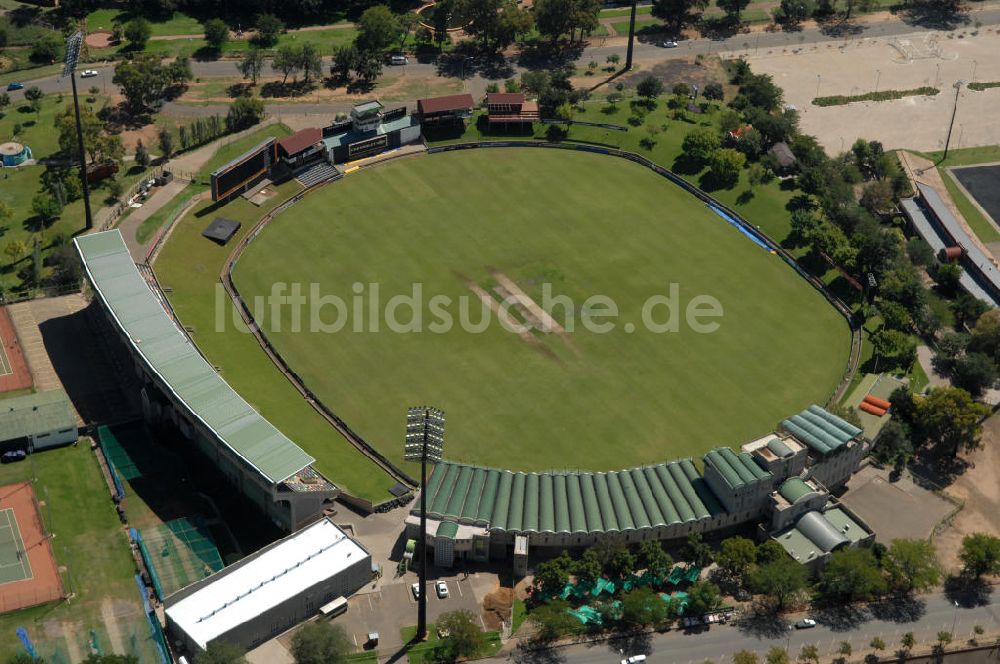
[(189, 266), (37, 131), (418, 654), (586, 224), (646, 24), (626, 11), (178, 24), (90, 542)]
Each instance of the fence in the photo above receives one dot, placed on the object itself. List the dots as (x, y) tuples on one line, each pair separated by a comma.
[(178, 553)]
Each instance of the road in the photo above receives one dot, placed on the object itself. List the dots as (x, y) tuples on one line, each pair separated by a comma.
[(598, 50), (924, 617)]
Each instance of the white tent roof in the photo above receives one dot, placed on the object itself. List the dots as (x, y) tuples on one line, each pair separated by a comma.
[(267, 579)]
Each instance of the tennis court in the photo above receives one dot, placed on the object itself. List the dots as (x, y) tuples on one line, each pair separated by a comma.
[(14, 565), (28, 572), (14, 374)]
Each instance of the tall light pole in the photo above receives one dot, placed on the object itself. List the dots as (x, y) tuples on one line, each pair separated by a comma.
[(73, 44), (878, 75), (631, 36), (819, 78), (424, 440), (951, 125)]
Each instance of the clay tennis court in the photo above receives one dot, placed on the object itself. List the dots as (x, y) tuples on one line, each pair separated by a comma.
[(14, 373), (28, 572)]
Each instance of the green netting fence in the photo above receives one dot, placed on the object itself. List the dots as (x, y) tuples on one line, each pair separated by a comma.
[(116, 454), (178, 553)]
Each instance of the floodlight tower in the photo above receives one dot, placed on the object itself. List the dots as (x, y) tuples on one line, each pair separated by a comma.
[(424, 440), (73, 44)]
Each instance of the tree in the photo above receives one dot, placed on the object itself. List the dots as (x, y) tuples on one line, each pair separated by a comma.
[(216, 33), (552, 620), (288, 60), (947, 275), (141, 80), (378, 28), (986, 334), (980, 555), (464, 640), (732, 8), (33, 93), (552, 575), (877, 197), (700, 144), (967, 309), (736, 556), (780, 580), (852, 575), (895, 346), (877, 644), (311, 63), (756, 175), (252, 64), (553, 18), (759, 90), (845, 649), (678, 13), (368, 66), (724, 166), (744, 657), (908, 641), (268, 28), (4, 102), (221, 652), (769, 551), (975, 373), (703, 597), (893, 443), (443, 12), (649, 88), (809, 653), (166, 140), (48, 48), (912, 565), (15, 249), (46, 207), (643, 606), (713, 92), (792, 12), (495, 22), (588, 568), (697, 551), (178, 72), (98, 145), (894, 315), (137, 32), (141, 154), (777, 655), (244, 112), (407, 22), (6, 212), (950, 419), (617, 559), (653, 558)]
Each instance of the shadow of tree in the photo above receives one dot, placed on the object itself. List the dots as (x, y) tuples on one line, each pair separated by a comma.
[(634, 643), (967, 591), (899, 609), (935, 16), (763, 625), (842, 618)]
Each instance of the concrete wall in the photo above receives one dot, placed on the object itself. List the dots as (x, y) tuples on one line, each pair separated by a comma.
[(836, 468)]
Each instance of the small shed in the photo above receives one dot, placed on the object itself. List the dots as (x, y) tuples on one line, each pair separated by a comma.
[(783, 155), (221, 230), (37, 421)]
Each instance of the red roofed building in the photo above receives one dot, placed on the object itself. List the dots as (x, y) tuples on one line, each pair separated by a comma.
[(445, 110), (301, 147), (510, 108)]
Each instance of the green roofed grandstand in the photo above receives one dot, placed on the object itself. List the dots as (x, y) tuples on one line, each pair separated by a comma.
[(484, 513), (823, 432), (183, 388)]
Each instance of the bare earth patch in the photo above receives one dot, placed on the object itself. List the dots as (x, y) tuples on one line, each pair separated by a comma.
[(979, 489), (98, 39)]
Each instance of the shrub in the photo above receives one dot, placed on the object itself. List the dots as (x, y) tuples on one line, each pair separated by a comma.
[(884, 95)]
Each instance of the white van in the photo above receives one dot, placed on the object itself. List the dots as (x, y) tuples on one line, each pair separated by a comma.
[(398, 60), (334, 608), (634, 659)]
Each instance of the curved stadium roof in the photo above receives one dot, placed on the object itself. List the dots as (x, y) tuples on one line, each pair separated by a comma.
[(170, 355)]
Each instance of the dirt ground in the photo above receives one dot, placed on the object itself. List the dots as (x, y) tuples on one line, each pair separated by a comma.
[(979, 488), (148, 134), (857, 66), (98, 39)]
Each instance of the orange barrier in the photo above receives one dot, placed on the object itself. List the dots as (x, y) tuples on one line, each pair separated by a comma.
[(878, 403), (874, 410)]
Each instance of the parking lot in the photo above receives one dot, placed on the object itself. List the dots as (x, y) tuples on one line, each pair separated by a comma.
[(394, 606)]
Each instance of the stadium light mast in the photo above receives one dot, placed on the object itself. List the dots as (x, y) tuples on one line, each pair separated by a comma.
[(73, 44), (424, 440)]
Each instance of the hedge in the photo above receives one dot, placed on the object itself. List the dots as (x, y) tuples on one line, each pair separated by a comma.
[(979, 87), (885, 95)]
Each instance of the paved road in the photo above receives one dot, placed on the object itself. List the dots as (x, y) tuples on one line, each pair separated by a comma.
[(925, 618), (598, 50)]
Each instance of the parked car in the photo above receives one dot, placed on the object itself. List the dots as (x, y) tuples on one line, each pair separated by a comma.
[(15, 86), (398, 60), (88, 73), (670, 43), (805, 623), (442, 589), (416, 590), (634, 659), (13, 455)]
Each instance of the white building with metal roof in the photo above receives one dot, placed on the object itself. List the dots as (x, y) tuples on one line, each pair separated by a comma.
[(270, 591), (179, 385)]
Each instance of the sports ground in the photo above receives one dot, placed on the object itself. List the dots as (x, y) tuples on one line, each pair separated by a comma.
[(496, 222)]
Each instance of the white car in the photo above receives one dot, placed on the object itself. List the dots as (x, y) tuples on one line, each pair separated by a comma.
[(398, 60), (416, 590), (442, 589), (805, 623), (634, 659), (668, 44), (88, 73)]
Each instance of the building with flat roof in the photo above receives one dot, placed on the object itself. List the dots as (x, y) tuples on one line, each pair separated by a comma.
[(371, 130), (179, 386), (269, 591), (33, 422)]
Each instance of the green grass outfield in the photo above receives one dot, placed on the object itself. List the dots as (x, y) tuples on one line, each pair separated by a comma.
[(587, 224)]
